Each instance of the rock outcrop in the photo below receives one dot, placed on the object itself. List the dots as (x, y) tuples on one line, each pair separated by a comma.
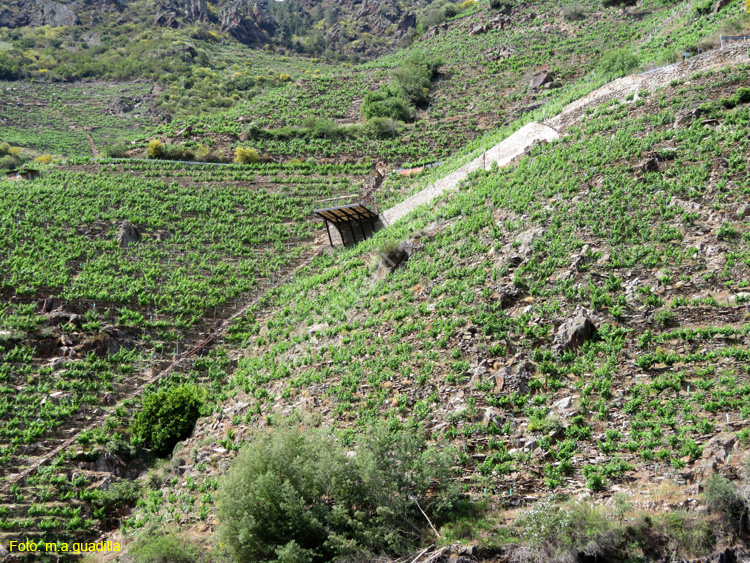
[(128, 233), (250, 24), (574, 332)]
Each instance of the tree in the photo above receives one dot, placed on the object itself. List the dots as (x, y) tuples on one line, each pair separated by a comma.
[(294, 495), (618, 63)]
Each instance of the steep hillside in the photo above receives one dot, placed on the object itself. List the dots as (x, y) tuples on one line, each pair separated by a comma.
[(572, 324), (567, 336), (490, 55)]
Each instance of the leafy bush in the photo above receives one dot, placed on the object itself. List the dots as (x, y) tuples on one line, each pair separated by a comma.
[(119, 150), (503, 5), (450, 11), (295, 495), (466, 4), (155, 545), (119, 495), (573, 12), (553, 532), (246, 156), (722, 496), (177, 152), (664, 318), (44, 159), (166, 417), (382, 127), (387, 103), (155, 149), (413, 76), (618, 63)]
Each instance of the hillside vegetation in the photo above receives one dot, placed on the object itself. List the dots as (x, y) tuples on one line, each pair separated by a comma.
[(549, 363)]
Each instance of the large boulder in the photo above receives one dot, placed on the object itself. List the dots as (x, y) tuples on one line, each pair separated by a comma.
[(128, 233), (540, 79), (53, 14), (574, 332)]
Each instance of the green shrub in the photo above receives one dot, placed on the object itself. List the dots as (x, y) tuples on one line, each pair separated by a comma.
[(246, 156), (387, 103), (167, 416), (450, 11), (119, 495), (295, 495), (382, 127), (722, 496), (664, 318), (618, 63), (573, 12), (119, 150), (502, 5), (154, 545), (552, 532), (413, 76)]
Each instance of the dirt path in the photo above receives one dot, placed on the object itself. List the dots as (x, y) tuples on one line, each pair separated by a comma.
[(502, 153), (631, 85)]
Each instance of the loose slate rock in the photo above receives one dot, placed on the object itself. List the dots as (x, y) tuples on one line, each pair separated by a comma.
[(128, 233), (573, 332)]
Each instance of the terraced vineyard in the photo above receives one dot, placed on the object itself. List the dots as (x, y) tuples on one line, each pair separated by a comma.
[(74, 119), (88, 320), (468, 336), (489, 58)]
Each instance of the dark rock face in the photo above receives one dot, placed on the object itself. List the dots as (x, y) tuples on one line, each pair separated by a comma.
[(248, 23), (649, 165), (128, 233), (407, 22), (37, 14), (53, 14)]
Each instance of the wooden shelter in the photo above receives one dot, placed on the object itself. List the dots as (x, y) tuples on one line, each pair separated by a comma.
[(349, 221)]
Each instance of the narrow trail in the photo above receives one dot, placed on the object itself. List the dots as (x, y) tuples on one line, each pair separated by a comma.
[(502, 154), (632, 85)]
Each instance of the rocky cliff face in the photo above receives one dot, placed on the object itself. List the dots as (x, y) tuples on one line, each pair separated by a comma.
[(37, 13), (367, 28), (249, 23)]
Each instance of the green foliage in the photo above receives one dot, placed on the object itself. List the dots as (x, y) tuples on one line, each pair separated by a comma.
[(119, 150), (166, 417), (382, 127), (117, 496), (387, 103), (12, 157), (154, 545), (664, 318), (722, 496), (573, 12), (618, 63), (553, 532), (413, 76), (294, 495)]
